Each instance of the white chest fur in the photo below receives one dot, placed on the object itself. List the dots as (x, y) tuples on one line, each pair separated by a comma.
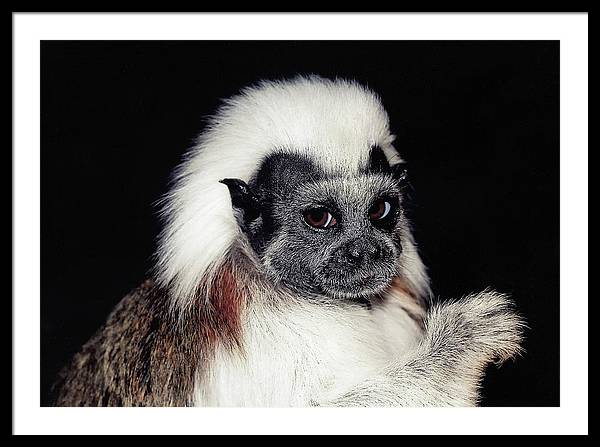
[(303, 353)]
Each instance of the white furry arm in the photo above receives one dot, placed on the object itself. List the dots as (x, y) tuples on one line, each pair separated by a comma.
[(461, 338)]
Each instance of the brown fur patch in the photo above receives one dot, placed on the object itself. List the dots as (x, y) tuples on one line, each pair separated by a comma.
[(222, 317), (148, 355), (414, 305)]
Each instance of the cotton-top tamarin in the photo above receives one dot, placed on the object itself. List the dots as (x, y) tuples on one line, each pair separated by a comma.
[(287, 274)]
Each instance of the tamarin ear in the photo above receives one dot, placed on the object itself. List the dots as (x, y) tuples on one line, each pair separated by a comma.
[(378, 162), (242, 198)]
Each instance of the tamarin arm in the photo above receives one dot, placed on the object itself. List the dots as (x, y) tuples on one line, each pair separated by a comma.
[(445, 369)]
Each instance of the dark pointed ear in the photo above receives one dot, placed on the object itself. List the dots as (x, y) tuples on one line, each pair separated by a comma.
[(378, 162), (242, 198)]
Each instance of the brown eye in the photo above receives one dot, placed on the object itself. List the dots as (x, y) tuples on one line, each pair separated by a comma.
[(319, 218), (380, 210)]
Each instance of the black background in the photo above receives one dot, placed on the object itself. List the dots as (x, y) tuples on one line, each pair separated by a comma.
[(477, 122)]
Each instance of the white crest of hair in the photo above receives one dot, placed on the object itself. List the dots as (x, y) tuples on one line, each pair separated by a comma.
[(333, 121)]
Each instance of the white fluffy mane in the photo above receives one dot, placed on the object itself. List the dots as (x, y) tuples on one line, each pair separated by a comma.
[(334, 121)]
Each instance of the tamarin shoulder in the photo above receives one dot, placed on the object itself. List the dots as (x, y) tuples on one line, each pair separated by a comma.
[(143, 355)]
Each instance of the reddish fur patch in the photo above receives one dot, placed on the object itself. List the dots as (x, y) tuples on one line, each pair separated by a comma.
[(401, 286), (221, 315), (410, 301)]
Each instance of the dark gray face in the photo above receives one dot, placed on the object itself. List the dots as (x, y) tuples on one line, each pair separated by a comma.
[(337, 235)]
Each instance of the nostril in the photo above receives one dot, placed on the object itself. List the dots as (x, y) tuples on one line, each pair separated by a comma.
[(354, 254), (375, 252)]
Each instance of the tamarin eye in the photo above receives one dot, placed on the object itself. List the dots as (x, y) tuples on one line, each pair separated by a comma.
[(319, 218), (380, 210)]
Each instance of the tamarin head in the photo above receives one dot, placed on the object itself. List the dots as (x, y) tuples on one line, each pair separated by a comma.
[(318, 231), (304, 174)]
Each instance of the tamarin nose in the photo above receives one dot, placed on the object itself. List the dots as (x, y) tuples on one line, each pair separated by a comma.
[(374, 251), (354, 255), (358, 251)]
